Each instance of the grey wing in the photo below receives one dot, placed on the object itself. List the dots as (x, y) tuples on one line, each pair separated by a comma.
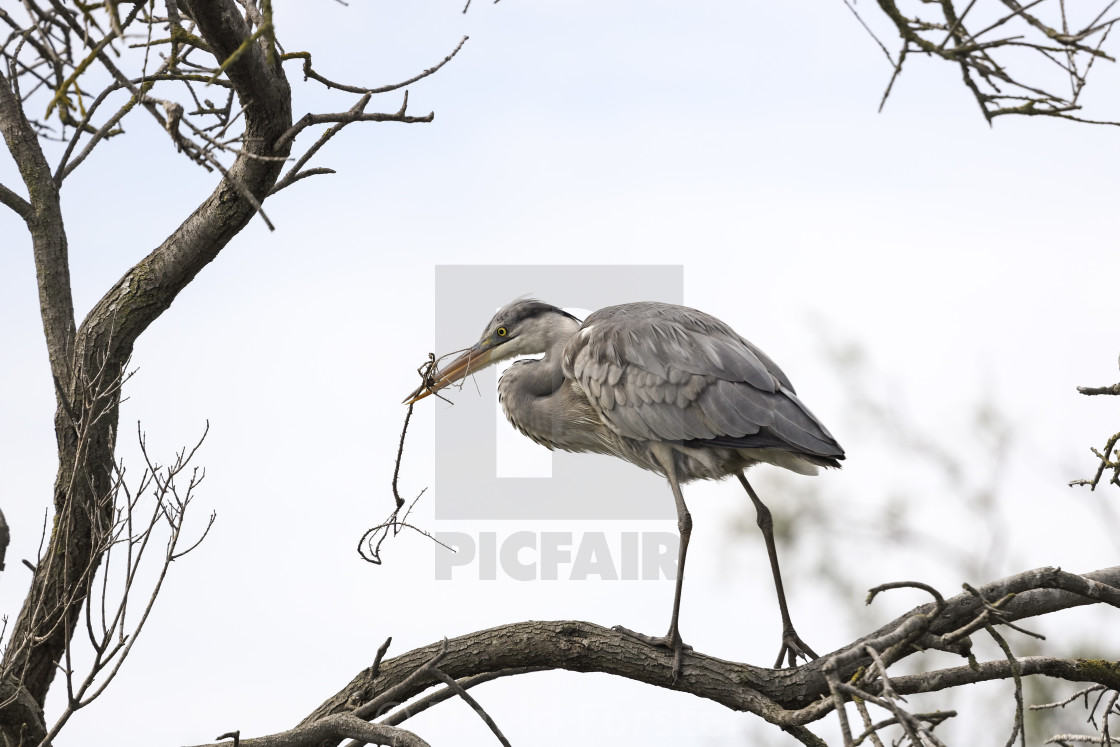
[(669, 373)]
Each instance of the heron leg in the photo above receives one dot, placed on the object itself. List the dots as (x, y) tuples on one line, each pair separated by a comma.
[(791, 642), (672, 639)]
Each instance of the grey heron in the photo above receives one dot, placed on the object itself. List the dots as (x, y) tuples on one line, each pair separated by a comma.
[(668, 388)]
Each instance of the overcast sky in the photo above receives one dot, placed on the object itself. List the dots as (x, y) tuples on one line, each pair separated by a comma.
[(739, 141)]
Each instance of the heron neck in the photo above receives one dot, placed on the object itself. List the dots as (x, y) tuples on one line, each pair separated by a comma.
[(531, 393), (539, 378)]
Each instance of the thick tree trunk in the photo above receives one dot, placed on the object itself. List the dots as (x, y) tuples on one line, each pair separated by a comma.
[(87, 362)]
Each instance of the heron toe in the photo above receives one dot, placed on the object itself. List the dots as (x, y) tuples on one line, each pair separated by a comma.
[(671, 640), (794, 647)]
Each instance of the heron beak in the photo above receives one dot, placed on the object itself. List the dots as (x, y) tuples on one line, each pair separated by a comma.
[(475, 359)]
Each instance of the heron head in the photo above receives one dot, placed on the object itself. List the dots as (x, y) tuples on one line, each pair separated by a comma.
[(523, 327)]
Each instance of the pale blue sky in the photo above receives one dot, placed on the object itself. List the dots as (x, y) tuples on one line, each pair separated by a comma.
[(738, 140)]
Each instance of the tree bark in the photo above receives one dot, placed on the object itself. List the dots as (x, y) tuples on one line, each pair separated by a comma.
[(87, 361), (785, 697)]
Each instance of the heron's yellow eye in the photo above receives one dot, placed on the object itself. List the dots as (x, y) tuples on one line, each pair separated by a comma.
[(502, 331)]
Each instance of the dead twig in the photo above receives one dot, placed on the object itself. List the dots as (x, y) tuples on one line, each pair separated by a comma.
[(1003, 85), (462, 693), (369, 546)]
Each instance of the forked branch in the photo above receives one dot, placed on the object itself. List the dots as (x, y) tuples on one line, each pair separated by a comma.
[(109, 631), (1013, 61), (1109, 456), (789, 698)]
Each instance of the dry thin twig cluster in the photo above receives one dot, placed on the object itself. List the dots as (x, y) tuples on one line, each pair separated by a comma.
[(44, 613), (360, 724), (110, 589), (872, 685), (1103, 695), (1027, 58), (1109, 456), (369, 546), (69, 61), (110, 632), (917, 728)]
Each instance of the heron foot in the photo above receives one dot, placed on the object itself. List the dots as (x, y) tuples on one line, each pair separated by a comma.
[(793, 647), (671, 640)]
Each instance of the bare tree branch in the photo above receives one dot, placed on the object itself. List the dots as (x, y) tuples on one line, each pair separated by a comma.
[(1091, 390), (1108, 456), (354, 115), (474, 704), (788, 698), (19, 206), (70, 59), (113, 641), (332, 730), (308, 72), (5, 538), (999, 87), (47, 234), (419, 706), (105, 338)]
